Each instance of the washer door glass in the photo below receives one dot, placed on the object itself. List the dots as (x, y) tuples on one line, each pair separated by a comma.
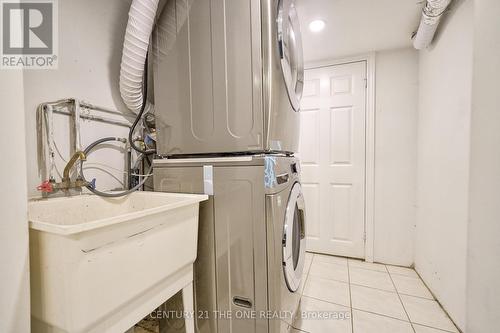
[(290, 47), (294, 244)]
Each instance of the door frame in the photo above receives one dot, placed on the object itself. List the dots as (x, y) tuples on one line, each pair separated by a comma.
[(369, 58)]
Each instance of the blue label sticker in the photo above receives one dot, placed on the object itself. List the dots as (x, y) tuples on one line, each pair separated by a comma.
[(269, 175)]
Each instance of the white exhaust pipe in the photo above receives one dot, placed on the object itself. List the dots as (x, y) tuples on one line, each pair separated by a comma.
[(141, 18), (431, 15)]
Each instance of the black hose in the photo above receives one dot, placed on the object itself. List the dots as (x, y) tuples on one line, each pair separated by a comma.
[(132, 144), (114, 194), (139, 116)]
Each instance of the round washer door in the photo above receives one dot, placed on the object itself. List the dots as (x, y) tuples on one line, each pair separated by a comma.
[(290, 48), (294, 240)]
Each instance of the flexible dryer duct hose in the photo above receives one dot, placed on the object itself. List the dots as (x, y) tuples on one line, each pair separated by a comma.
[(141, 19), (431, 14)]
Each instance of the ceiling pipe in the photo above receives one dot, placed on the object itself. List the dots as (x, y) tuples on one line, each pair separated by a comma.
[(431, 15)]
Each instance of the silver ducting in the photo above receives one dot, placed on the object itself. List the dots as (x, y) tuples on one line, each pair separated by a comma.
[(431, 15)]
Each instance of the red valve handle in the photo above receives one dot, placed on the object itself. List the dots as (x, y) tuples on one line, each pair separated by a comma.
[(45, 187)]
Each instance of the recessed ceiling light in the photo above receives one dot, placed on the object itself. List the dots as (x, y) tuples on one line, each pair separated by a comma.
[(317, 25)]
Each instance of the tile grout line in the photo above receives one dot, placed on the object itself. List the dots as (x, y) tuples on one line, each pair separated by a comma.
[(408, 276), (435, 328), (401, 301), (390, 291), (389, 272), (379, 289), (381, 315), (366, 311), (367, 269), (350, 296), (324, 301), (292, 325), (370, 287), (394, 291), (329, 279)]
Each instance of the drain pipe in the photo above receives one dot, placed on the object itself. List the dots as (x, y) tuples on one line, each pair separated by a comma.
[(431, 15), (135, 47)]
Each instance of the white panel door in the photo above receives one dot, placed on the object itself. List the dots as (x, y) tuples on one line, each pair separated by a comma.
[(332, 153)]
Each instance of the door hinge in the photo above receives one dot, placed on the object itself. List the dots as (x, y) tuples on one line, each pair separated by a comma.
[(366, 83), (364, 236)]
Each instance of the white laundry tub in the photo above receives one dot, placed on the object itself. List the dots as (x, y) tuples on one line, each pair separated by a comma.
[(100, 265)]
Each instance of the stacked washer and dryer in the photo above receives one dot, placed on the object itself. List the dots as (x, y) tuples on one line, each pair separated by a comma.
[(228, 78)]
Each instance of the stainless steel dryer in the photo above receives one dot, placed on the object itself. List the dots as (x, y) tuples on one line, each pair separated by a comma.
[(251, 245), (228, 76)]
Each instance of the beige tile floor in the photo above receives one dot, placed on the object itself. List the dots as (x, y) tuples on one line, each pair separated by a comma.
[(353, 296)]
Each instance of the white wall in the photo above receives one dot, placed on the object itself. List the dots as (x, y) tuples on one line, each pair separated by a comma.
[(443, 160), (483, 283), (90, 45), (395, 155), (14, 255)]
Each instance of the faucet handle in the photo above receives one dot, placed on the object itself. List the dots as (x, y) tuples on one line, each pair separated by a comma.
[(46, 187)]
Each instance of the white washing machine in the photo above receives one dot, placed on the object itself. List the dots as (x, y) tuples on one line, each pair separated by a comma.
[(228, 77), (251, 246)]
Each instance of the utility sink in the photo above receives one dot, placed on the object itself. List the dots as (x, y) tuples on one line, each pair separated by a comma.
[(100, 264)]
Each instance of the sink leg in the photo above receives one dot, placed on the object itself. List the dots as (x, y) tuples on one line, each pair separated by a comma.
[(187, 299)]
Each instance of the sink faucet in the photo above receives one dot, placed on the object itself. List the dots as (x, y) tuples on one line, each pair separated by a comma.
[(79, 155), (50, 186)]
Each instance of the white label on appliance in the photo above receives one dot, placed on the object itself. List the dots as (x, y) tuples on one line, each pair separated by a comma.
[(208, 179)]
